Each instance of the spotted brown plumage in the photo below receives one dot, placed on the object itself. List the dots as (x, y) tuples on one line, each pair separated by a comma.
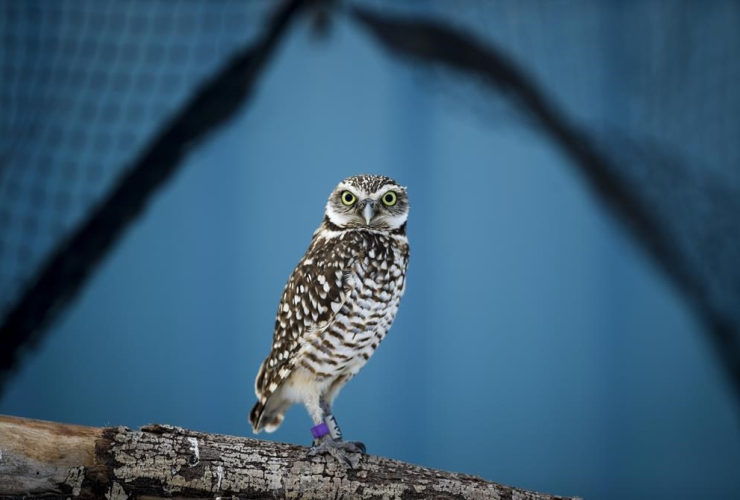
[(339, 302)]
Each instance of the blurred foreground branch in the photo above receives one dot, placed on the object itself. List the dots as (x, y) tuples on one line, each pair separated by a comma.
[(46, 459)]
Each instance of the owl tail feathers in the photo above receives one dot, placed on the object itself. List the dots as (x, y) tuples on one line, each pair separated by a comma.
[(268, 421)]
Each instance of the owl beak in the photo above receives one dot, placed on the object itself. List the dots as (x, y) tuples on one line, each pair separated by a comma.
[(368, 212)]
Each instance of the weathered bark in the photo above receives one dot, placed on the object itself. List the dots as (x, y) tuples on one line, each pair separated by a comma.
[(46, 459)]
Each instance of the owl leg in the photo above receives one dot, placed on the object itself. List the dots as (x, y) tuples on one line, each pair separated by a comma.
[(331, 443), (336, 432)]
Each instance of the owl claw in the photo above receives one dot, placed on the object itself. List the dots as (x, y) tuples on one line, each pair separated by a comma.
[(347, 452), (355, 447)]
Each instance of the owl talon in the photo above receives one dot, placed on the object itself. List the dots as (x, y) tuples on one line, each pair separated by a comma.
[(355, 447), (342, 451)]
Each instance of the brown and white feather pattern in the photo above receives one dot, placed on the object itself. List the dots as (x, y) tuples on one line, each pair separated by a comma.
[(335, 310)]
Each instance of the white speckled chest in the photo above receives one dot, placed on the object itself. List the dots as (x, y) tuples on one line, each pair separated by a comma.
[(373, 281), (375, 287), (336, 308)]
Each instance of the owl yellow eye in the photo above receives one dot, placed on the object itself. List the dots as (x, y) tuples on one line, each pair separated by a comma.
[(348, 198), (389, 199)]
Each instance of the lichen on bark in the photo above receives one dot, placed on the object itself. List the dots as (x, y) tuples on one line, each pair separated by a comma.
[(162, 461)]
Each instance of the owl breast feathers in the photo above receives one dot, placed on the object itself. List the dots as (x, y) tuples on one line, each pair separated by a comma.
[(339, 302)]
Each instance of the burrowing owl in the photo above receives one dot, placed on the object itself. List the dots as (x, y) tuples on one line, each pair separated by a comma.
[(336, 308)]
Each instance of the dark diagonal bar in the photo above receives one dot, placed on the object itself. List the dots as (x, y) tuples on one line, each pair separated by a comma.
[(433, 42), (74, 260)]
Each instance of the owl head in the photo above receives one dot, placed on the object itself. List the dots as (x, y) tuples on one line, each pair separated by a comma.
[(368, 201)]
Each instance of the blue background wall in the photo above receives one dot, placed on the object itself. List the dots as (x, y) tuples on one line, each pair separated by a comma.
[(536, 345)]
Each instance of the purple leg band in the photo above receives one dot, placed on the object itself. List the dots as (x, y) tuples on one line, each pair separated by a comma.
[(319, 430)]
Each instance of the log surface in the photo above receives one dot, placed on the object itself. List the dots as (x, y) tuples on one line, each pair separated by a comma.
[(51, 460)]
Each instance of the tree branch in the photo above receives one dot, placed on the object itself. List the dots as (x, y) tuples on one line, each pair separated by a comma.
[(47, 459)]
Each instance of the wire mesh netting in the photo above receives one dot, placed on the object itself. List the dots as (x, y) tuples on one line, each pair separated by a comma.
[(639, 99), (660, 147), (85, 86)]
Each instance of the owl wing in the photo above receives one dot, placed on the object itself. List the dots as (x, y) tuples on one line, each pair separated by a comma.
[(314, 294)]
